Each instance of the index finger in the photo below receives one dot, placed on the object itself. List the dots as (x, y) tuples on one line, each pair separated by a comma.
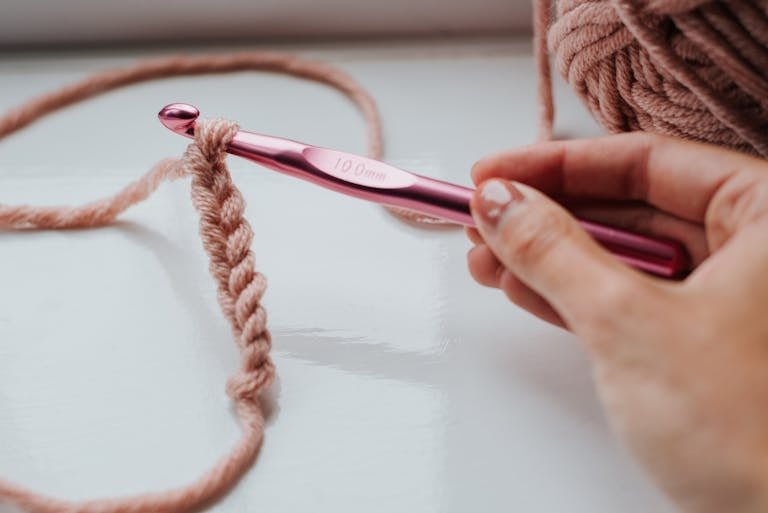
[(679, 177)]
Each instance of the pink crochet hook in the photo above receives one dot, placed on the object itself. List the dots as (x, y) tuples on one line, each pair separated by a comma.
[(376, 181)]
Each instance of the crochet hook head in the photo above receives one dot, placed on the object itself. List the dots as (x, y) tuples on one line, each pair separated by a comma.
[(342, 172), (179, 118), (373, 180)]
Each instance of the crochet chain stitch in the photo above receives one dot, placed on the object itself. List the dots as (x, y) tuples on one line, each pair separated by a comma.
[(226, 237), (695, 69)]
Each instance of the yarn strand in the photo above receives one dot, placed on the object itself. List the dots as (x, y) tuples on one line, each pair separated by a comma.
[(105, 211), (541, 21), (90, 215), (226, 237), (695, 69)]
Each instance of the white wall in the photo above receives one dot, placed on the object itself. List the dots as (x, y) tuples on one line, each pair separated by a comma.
[(44, 21)]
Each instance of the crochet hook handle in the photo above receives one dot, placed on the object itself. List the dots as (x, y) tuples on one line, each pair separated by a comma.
[(376, 181)]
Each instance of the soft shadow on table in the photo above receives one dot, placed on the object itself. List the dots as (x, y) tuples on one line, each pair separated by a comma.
[(560, 378), (179, 268), (543, 371)]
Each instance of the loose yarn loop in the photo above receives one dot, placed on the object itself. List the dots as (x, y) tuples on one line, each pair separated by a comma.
[(696, 69), (105, 211), (226, 237)]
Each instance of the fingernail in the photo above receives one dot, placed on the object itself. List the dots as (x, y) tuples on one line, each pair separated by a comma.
[(493, 198)]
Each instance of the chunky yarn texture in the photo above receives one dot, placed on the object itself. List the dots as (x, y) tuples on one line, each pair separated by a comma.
[(688, 68), (226, 238), (695, 69)]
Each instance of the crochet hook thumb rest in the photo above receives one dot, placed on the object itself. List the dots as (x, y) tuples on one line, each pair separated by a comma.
[(376, 181)]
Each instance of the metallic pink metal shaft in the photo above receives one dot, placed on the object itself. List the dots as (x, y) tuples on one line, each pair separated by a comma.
[(376, 181)]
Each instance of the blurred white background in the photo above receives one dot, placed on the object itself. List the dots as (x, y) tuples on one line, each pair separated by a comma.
[(89, 21)]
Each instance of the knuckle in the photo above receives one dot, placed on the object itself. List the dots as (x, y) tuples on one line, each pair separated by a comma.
[(651, 138), (530, 236), (473, 265), (513, 288), (610, 299), (616, 306), (604, 314), (481, 266), (754, 205), (741, 199)]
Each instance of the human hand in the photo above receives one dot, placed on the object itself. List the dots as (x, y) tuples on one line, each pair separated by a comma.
[(681, 367)]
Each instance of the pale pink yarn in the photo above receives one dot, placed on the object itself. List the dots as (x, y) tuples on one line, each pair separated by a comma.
[(226, 237), (696, 69), (106, 210), (689, 68)]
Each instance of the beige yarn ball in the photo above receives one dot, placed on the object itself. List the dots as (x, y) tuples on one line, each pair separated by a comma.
[(688, 68)]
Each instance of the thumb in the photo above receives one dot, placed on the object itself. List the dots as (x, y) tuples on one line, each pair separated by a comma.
[(544, 246)]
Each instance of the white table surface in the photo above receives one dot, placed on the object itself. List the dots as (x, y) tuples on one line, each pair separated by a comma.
[(403, 386)]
